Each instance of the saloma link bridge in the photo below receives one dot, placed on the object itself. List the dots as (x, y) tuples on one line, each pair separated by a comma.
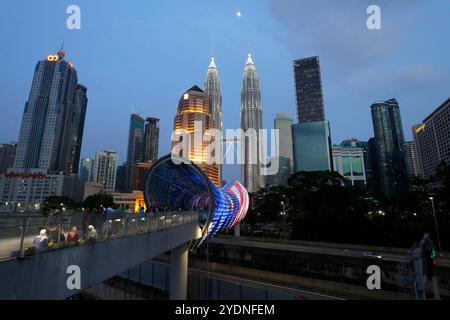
[(193, 210)]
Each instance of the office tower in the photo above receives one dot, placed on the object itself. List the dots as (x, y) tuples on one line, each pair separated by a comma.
[(251, 121), (311, 143), (348, 161), (311, 136), (283, 123), (308, 88), (27, 191), (47, 153), (121, 174), (86, 171), (140, 170), (212, 88), (432, 139), (282, 176), (105, 169), (135, 146), (7, 154), (47, 134), (151, 140), (411, 160), (389, 141), (193, 119), (79, 116)]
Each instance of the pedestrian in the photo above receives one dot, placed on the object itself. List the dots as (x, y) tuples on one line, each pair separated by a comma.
[(40, 242), (91, 235), (72, 237)]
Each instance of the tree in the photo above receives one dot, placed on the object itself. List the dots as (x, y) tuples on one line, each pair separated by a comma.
[(99, 200), (57, 202)]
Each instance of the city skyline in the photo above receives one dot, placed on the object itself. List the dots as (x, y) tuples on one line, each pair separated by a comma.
[(111, 102)]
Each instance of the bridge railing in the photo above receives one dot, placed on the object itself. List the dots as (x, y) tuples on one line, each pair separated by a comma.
[(18, 232)]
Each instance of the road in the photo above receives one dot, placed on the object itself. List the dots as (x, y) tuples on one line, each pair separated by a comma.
[(323, 250)]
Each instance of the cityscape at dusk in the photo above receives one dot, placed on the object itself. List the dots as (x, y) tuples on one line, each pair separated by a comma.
[(225, 150)]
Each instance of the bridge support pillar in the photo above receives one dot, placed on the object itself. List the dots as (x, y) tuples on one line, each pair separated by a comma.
[(237, 230), (178, 272)]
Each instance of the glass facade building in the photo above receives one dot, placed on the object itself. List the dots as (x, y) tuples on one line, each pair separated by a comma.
[(349, 162), (105, 169), (53, 119), (312, 146), (432, 139), (308, 88), (135, 147), (389, 144)]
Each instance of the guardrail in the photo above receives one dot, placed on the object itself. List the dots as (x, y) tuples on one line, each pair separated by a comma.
[(17, 232)]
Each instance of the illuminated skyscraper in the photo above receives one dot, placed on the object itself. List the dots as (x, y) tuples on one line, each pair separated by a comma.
[(53, 119), (135, 146), (151, 140), (194, 108), (251, 119), (212, 88)]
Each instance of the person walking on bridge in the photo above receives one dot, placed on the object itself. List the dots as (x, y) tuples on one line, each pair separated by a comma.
[(40, 242)]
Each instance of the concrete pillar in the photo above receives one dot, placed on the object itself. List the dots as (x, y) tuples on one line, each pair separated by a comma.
[(178, 272), (237, 230)]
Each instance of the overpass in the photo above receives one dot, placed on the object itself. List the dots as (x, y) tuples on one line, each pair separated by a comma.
[(122, 243)]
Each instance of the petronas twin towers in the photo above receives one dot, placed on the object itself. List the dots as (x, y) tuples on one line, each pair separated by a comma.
[(251, 118)]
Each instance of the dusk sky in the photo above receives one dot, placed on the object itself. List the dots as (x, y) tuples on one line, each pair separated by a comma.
[(142, 55)]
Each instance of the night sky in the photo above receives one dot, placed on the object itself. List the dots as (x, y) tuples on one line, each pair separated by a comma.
[(142, 55)]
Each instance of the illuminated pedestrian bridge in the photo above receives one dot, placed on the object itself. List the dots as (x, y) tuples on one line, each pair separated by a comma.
[(174, 183)]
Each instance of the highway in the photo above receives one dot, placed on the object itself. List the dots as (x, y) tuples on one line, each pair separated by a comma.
[(323, 250)]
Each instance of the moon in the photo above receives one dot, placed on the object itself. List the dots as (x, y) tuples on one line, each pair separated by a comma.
[(238, 14)]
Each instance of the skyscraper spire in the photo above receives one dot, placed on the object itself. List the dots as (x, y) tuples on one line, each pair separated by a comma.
[(212, 88), (251, 119)]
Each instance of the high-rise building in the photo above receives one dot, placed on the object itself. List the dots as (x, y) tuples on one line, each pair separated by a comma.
[(50, 131), (312, 135), (135, 146), (151, 140), (105, 169), (282, 176), (121, 174), (7, 154), (312, 151), (348, 161), (48, 150), (411, 159), (283, 123), (308, 88), (79, 116), (251, 119), (193, 119), (86, 171), (432, 139), (389, 142), (140, 170), (212, 88)]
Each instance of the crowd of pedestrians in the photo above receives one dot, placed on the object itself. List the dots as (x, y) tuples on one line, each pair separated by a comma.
[(108, 219)]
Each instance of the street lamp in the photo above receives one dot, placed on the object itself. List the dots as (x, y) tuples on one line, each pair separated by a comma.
[(435, 223), (283, 213)]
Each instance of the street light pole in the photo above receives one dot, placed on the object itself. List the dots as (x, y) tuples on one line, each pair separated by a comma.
[(283, 213), (435, 224)]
